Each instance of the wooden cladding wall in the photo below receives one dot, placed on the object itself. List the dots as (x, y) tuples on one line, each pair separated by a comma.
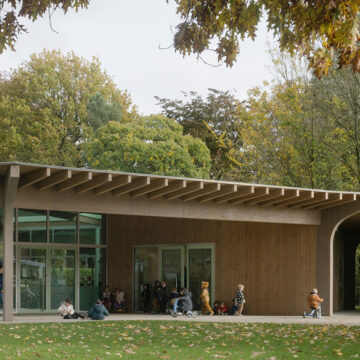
[(275, 262)]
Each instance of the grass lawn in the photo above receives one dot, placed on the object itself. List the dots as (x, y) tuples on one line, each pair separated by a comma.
[(177, 340)]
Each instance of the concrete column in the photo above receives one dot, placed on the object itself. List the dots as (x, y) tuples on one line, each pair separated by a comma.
[(11, 180)]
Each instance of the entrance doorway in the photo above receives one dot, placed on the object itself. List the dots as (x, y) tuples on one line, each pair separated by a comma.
[(180, 266)]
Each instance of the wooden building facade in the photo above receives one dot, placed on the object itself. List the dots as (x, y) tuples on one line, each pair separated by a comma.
[(68, 232)]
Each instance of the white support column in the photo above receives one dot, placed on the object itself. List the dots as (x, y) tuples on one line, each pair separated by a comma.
[(11, 181)]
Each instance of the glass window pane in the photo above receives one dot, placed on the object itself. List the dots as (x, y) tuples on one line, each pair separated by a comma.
[(32, 279), (199, 270), (62, 227), (92, 228), (31, 225), (62, 276), (92, 276), (145, 272)]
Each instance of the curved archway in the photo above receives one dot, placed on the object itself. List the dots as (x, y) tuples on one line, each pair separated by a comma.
[(345, 239)]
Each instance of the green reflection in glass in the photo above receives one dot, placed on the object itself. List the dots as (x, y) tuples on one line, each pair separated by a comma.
[(62, 227), (92, 275), (91, 228), (32, 226)]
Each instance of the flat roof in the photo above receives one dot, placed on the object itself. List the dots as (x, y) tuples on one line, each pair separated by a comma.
[(116, 183)]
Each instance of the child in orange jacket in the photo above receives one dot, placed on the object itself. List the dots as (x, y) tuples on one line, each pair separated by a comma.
[(314, 301)]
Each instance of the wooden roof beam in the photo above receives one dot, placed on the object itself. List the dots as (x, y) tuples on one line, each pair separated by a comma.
[(54, 180), (190, 188), (315, 199), (173, 186), (215, 195), (288, 194), (135, 184), (208, 189), (296, 197), (74, 181), (34, 177), (154, 185), (273, 193), (346, 198), (259, 192), (241, 192), (332, 198), (117, 182), (94, 183)]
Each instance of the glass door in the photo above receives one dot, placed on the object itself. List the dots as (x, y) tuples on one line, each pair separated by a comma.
[(200, 267), (32, 279), (172, 267), (62, 276)]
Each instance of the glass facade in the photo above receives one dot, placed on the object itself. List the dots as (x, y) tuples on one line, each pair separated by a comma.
[(60, 254)]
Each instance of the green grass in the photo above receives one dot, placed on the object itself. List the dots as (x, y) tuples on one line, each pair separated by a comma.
[(177, 340)]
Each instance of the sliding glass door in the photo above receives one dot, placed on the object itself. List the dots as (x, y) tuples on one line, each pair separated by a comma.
[(180, 266)]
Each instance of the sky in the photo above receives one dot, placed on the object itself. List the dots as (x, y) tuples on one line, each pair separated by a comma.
[(126, 35)]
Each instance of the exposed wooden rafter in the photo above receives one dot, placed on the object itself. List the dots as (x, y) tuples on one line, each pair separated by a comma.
[(94, 183), (135, 184), (190, 188), (259, 192), (273, 194), (241, 192), (208, 189), (227, 189), (54, 180), (34, 177), (117, 182), (154, 185), (171, 188), (74, 181)]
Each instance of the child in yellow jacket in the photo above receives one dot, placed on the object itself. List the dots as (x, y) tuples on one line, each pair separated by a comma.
[(205, 298)]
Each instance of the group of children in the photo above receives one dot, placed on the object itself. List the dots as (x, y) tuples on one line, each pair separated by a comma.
[(114, 301), (97, 312), (220, 307)]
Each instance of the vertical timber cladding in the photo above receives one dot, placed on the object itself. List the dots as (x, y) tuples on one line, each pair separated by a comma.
[(275, 262)]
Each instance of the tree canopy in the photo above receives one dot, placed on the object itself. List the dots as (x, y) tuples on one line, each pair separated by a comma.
[(47, 105), (13, 11), (149, 145), (319, 30), (220, 111)]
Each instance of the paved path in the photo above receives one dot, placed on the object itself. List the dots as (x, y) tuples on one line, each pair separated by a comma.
[(344, 318)]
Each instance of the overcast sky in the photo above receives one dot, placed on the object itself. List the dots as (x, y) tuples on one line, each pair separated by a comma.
[(125, 35)]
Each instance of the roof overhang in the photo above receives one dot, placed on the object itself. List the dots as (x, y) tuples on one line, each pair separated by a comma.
[(59, 183)]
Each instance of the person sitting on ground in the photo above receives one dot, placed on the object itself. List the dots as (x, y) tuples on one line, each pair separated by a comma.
[(98, 311), (314, 301), (240, 300), (216, 307), (222, 309), (106, 298), (234, 307), (183, 302), (67, 310), (120, 305)]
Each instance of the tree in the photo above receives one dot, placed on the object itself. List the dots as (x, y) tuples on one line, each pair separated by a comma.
[(54, 91), (218, 113), (149, 145), (282, 141), (12, 11), (99, 112), (318, 30), (336, 104)]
